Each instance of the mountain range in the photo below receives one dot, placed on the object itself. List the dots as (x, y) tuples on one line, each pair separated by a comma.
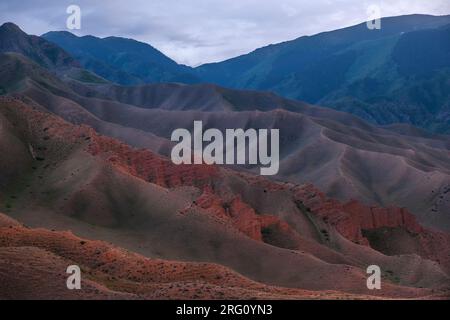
[(121, 60), (370, 73), (82, 153)]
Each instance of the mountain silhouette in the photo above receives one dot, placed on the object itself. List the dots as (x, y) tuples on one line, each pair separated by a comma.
[(13, 39), (80, 152), (122, 60), (378, 75)]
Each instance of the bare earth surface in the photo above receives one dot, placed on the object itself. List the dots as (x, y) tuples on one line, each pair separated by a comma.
[(165, 231)]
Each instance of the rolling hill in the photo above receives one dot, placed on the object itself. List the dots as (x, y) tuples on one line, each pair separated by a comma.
[(60, 176)]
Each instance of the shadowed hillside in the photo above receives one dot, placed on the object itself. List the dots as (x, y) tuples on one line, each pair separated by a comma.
[(69, 177), (399, 73), (341, 154)]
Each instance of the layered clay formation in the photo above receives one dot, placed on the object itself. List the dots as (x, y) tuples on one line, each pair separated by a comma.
[(233, 213)]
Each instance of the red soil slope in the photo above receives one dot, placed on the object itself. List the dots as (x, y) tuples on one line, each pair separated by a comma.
[(227, 196), (36, 259)]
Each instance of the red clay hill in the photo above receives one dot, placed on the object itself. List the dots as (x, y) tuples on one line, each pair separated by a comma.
[(279, 235)]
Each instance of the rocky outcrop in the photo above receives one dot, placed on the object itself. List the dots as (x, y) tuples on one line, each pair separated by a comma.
[(374, 217), (149, 166), (353, 220), (352, 217), (240, 215), (41, 51)]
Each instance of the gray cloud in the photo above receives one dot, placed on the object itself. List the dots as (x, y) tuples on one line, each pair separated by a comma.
[(200, 31)]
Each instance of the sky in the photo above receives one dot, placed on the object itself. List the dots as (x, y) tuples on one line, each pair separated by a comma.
[(194, 32)]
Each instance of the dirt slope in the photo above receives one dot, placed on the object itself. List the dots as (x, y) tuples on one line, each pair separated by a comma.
[(69, 177)]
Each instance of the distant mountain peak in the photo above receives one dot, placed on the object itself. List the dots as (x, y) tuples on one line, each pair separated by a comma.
[(41, 51), (10, 27), (65, 33), (11, 31), (123, 60)]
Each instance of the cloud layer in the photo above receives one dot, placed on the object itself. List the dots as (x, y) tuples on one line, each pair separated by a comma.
[(199, 31)]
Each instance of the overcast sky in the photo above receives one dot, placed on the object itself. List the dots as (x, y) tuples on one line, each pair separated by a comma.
[(199, 31)]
